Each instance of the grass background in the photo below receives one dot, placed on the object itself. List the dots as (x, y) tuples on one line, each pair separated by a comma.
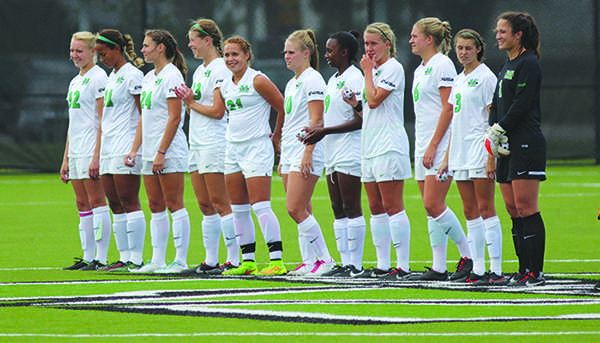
[(39, 230)]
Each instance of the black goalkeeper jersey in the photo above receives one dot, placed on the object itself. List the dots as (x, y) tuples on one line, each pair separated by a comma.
[(516, 103)]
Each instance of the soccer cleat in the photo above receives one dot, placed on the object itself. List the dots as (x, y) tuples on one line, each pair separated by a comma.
[(205, 268), (118, 266), (355, 272), (533, 281), (322, 267), (397, 274), (302, 270), (172, 268), (497, 280), (228, 266), (478, 280), (95, 265), (513, 280), (430, 275), (132, 267), (463, 270), (338, 271), (274, 268), (79, 263), (596, 288), (148, 268), (246, 268)]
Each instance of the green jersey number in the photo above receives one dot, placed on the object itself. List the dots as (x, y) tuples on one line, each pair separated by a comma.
[(74, 100), (108, 99), (416, 92), (458, 104), (146, 100), (327, 100), (232, 106), (197, 92)]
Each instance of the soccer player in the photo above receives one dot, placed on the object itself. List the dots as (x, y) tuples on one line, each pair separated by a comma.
[(82, 153), (164, 150), (341, 133), (515, 113), (208, 124), (249, 96), (433, 79), (466, 159), (120, 118), (302, 165), (385, 150)]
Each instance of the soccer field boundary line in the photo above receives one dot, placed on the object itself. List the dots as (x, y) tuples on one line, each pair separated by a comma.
[(304, 334)]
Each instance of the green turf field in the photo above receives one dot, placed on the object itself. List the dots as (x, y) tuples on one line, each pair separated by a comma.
[(41, 303)]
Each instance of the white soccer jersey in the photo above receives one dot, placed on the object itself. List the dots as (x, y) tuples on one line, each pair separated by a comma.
[(428, 79), (248, 111), (83, 92), (342, 147), (120, 116), (156, 89), (383, 127), (309, 86), (470, 96), (205, 130)]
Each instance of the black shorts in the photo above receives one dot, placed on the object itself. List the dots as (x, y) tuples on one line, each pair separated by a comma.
[(527, 160)]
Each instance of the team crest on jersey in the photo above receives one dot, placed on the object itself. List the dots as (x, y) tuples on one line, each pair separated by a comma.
[(85, 81), (207, 73), (120, 79), (244, 88), (377, 73), (340, 85), (157, 82), (472, 83), (298, 85), (428, 71), (509, 74)]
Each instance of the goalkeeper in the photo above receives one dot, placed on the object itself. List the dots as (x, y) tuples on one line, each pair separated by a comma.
[(516, 139)]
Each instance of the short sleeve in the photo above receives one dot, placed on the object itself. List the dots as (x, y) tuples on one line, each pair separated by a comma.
[(173, 80), (99, 85), (390, 78), (134, 83), (315, 89), (489, 86), (446, 74)]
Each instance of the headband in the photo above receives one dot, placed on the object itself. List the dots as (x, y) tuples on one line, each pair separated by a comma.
[(380, 30), (301, 41), (104, 39), (199, 28), (477, 40)]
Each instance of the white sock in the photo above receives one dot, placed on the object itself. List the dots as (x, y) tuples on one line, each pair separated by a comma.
[(449, 222), (244, 228), (159, 232), (340, 229), (382, 238), (493, 237), (86, 235), (439, 245), (120, 232), (357, 228), (211, 234), (181, 235), (400, 232), (316, 241), (136, 233), (102, 230), (269, 225), (231, 241), (476, 239)]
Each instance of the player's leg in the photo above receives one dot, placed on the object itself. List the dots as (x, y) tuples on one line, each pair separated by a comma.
[(211, 221), (172, 185), (128, 186), (340, 222), (101, 218), (380, 227), (392, 196), (474, 222), (350, 187), (119, 223), (86, 226)]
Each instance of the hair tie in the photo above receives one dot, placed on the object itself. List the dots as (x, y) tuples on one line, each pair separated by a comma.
[(199, 28), (104, 39)]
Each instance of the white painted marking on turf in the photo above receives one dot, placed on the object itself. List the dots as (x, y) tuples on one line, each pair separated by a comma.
[(311, 334)]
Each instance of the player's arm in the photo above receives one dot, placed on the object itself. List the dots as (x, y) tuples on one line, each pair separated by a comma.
[(440, 129), (272, 95), (94, 169), (174, 108), (215, 111), (526, 92), (64, 168), (137, 141), (315, 109), (316, 134)]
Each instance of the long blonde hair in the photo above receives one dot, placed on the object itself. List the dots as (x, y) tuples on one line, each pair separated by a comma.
[(306, 40), (384, 31), (439, 30)]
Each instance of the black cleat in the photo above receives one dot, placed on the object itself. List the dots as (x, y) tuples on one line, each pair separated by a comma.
[(478, 280), (397, 274), (498, 280), (430, 275), (79, 263), (514, 278), (208, 269), (379, 273), (533, 281), (338, 271), (95, 265), (463, 270), (355, 272)]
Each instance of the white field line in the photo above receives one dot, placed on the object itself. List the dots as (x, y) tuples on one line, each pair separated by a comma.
[(311, 334)]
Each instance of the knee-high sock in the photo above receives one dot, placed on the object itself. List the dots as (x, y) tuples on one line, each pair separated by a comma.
[(231, 241), (244, 230), (438, 239), (493, 238), (340, 229), (400, 232), (382, 238), (181, 235), (269, 226), (357, 228), (517, 235), (102, 230), (120, 232), (211, 234), (449, 222), (476, 238), (136, 233), (316, 241), (159, 232), (86, 235), (534, 240)]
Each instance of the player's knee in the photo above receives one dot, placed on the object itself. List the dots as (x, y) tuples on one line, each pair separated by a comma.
[(352, 211), (296, 213)]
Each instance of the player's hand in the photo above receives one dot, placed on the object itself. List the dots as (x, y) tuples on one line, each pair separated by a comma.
[(314, 135), (442, 172), (306, 166), (94, 169), (276, 140), (351, 100), (129, 160), (490, 168), (185, 93), (429, 157), (158, 166), (367, 63), (64, 171)]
